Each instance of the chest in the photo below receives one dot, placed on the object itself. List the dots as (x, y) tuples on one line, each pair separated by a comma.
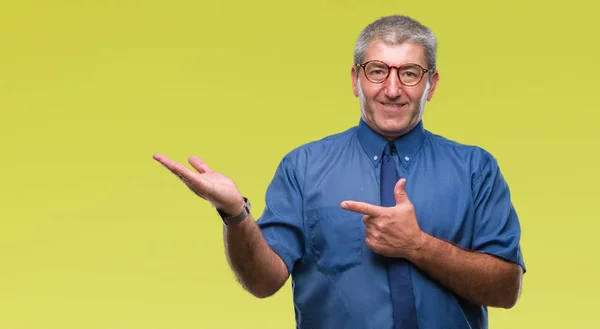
[(442, 198)]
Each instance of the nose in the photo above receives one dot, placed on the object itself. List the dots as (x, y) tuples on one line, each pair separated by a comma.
[(392, 85)]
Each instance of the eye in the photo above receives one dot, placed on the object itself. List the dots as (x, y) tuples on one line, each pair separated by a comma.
[(410, 73)]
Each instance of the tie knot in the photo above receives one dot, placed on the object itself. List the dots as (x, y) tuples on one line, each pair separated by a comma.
[(389, 148)]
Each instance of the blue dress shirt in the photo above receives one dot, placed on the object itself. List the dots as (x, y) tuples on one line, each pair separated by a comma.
[(459, 196)]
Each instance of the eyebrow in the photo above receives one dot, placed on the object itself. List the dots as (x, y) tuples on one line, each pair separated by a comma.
[(413, 63)]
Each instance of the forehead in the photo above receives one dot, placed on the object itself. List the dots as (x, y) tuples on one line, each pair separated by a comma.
[(398, 54)]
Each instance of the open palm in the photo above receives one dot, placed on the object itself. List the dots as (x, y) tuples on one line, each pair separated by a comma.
[(208, 184)]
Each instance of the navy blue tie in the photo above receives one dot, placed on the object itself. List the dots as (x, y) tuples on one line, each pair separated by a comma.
[(403, 304)]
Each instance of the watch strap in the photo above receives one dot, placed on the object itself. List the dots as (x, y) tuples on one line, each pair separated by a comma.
[(238, 218)]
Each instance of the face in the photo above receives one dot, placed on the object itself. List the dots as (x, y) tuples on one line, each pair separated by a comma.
[(390, 108)]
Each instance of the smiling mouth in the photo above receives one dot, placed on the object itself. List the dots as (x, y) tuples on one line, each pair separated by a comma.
[(393, 104)]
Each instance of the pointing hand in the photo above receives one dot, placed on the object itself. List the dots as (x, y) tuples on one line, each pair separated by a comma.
[(391, 231)]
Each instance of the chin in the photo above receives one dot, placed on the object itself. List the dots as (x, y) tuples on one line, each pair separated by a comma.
[(393, 124), (395, 127), (391, 130), (389, 124)]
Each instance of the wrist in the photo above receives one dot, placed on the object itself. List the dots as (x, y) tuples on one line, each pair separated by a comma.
[(233, 208), (420, 246), (235, 216)]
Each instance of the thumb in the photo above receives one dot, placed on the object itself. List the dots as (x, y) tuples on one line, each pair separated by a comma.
[(199, 164), (400, 192)]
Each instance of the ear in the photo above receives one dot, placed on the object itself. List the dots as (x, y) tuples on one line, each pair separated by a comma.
[(433, 85), (354, 74)]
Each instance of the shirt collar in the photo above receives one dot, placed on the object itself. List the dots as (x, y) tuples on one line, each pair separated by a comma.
[(407, 145)]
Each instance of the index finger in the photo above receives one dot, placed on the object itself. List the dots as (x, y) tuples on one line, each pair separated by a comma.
[(162, 159), (362, 207), (175, 167)]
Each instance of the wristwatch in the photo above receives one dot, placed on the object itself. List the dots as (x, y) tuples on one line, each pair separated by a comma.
[(235, 219)]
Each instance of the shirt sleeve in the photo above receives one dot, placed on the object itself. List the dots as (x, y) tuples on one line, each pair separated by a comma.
[(497, 229), (282, 220)]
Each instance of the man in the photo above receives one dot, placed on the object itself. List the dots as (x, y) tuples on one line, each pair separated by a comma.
[(385, 225)]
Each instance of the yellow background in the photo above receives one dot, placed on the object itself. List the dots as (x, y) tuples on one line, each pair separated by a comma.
[(95, 234)]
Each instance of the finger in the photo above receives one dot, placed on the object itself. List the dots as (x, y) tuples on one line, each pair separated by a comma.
[(188, 177), (166, 162), (181, 178), (400, 192), (186, 174), (176, 168), (193, 189), (199, 164), (157, 156), (362, 207), (370, 243), (369, 232), (192, 180)]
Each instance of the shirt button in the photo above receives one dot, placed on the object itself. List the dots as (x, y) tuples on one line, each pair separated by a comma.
[(375, 158), (406, 158)]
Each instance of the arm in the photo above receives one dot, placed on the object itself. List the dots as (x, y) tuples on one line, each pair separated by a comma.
[(474, 275), (258, 269), (490, 273), (480, 278)]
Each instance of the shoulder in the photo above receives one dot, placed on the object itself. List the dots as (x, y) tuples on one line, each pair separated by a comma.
[(477, 157), (307, 158), (303, 153)]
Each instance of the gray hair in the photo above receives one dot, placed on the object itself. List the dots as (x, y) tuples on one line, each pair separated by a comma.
[(394, 30)]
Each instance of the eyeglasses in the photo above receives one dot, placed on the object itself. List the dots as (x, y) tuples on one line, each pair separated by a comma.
[(409, 74)]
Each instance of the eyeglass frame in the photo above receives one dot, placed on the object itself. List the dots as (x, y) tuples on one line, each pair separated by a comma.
[(424, 70)]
